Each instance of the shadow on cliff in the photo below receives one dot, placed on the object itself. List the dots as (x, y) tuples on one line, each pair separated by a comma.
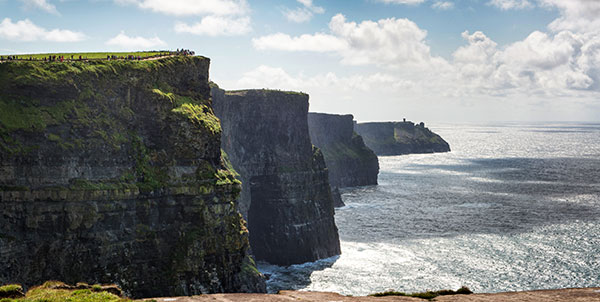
[(293, 277)]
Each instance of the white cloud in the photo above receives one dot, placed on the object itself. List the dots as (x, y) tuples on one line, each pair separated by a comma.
[(552, 65), (303, 14), (25, 30), (277, 78), (443, 5), (576, 15), (216, 26), (191, 7), (411, 2), (40, 4), (511, 4), (389, 43), (135, 43), (298, 15), (318, 43)]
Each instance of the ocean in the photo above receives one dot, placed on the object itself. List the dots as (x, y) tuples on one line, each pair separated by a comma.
[(513, 207)]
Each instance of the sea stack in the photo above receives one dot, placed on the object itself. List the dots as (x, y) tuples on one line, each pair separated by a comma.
[(397, 138), (112, 172), (285, 189)]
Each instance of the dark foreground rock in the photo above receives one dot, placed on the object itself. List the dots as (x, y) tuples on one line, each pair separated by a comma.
[(349, 161), (397, 138), (112, 172), (285, 190)]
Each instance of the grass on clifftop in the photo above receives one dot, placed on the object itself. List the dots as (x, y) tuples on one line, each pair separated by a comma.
[(87, 55), (426, 295), (51, 291)]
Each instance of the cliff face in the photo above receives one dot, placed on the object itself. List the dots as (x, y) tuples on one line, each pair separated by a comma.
[(349, 161), (112, 172), (396, 138), (285, 190)]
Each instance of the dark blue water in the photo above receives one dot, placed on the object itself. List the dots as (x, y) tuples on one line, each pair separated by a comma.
[(512, 207)]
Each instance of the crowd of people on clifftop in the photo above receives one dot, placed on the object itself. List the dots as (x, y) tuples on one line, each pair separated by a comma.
[(62, 58)]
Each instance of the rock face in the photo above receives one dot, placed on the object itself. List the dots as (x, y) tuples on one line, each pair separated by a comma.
[(396, 138), (285, 190), (112, 172), (349, 161)]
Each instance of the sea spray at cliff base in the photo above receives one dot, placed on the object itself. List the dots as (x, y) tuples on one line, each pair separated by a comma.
[(512, 207)]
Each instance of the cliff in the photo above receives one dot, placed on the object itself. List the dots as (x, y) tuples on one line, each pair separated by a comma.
[(285, 190), (112, 172), (396, 138), (349, 161)]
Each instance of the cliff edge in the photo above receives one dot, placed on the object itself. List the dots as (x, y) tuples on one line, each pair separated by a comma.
[(349, 161), (397, 138), (112, 172), (285, 190)]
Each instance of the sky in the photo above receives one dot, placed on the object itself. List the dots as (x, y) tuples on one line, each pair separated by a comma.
[(380, 60)]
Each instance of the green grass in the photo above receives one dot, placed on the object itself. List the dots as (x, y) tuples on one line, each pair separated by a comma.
[(88, 55), (428, 295), (54, 291)]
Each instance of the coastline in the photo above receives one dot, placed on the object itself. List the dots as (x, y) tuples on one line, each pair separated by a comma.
[(555, 295)]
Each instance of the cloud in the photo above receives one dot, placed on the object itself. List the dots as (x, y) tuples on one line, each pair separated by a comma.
[(443, 5), (25, 30), (410, 2), (40, 4), (135, 43), (389, 43), (542, 64), (216, 26), (277, 78), (303, 14), (511, 4), (191, 7), (576, 15), (317, 43)]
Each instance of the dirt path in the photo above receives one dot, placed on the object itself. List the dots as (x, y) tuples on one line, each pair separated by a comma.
[(560, 295)]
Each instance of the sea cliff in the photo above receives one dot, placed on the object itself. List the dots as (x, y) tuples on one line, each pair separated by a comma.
[(112, 172), (396, 138), (349, 161), (285, 190)]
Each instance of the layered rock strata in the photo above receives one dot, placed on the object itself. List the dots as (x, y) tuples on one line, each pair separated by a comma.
[(285, 189), (112, 172), (396, 138), (349, 161)]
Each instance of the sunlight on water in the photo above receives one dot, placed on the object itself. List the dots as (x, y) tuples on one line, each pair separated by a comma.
[(512, 207)]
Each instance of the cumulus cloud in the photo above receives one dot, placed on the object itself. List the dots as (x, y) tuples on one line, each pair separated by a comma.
[(443, 5), (543, 64), (216, 26), (134, 43), (191, 7), (576, 15), (25, 30), (40, 4), (304, 13), (511, 4), (389, 43), (564, 61)]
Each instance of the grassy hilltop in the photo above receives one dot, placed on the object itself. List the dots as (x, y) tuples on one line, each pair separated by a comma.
[(89, 55)]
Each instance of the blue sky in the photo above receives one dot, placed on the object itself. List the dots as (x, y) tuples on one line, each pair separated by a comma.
[(448, 60)]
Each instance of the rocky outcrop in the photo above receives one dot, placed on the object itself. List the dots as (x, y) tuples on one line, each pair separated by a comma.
[(349, 161), (112, 172), (396, 138), (285, 190)]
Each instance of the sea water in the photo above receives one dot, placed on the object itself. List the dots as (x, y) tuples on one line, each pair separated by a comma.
[(512, 207)]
